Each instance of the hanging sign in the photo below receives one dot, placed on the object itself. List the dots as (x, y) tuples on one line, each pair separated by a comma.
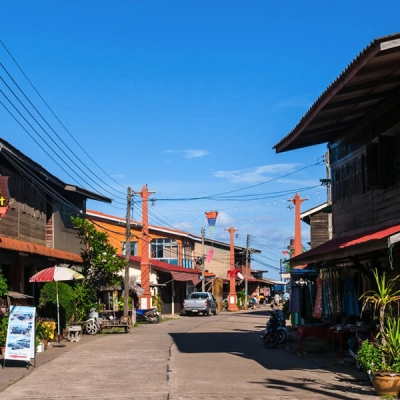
[(212, 219), (4, 195), (20, 343)]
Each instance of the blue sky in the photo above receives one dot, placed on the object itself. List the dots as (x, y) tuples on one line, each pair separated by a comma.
[(188, 97)]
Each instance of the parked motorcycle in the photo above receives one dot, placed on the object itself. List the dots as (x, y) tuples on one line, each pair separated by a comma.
[(252, 303), (275, 330), (364, 333), (92, 324), (151, 315)]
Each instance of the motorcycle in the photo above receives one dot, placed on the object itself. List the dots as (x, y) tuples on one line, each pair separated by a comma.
[(252, 303), (364, 333), (151, 315), (92, 324), (275, 330)]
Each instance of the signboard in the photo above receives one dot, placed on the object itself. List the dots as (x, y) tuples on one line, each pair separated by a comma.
[(20, 344), (285, 276)]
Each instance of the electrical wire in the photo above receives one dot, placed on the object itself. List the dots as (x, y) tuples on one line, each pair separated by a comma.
[(56, 117), (48, 135)]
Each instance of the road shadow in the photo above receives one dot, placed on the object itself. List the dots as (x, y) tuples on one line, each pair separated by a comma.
[(247, 343)]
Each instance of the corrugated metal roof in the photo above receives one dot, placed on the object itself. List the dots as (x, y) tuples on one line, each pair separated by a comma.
[(329, 250), (369, 80), (13, 154), (32, 248)]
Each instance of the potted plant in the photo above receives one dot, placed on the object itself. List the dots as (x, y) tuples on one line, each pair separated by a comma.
[(43, 333), (381, 358)]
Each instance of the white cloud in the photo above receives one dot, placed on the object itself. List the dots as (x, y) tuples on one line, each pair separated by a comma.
[(295, 101), (189, 153), (258, 174)]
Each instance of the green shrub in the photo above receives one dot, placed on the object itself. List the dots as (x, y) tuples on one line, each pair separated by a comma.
[(48, 302), (3, 285), (3, 330)]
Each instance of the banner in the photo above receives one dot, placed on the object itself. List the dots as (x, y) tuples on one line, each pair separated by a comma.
[(20, 344), (210, 255), (212, 219)]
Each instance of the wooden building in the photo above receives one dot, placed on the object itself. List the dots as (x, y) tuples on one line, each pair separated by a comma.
[(318, 220), (35, 225), (358, 117)]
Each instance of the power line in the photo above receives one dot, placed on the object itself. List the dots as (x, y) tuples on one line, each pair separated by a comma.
[(62, 141), (58, 121)]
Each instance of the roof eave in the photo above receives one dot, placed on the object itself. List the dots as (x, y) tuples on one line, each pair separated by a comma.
[(291, 141)]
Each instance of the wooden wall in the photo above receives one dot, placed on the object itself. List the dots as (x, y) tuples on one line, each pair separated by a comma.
[(319, 228), (377, 205)]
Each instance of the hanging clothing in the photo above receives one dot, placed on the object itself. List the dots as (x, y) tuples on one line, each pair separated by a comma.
[(350, 300), (295, 299), (317, 313)]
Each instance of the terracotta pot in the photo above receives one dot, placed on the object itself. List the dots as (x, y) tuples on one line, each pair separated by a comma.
[(386, 383)]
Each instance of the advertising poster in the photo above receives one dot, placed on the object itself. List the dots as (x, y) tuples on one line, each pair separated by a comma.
[(20, 343)]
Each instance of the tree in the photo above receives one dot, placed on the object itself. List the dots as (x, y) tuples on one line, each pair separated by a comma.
[(101, 265), (3, 285)]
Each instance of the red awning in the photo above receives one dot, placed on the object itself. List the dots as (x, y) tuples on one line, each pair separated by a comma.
[(333, 247), (32, 248), (185, 277)]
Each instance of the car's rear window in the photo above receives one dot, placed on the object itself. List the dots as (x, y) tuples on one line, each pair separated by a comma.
[(198, 296)]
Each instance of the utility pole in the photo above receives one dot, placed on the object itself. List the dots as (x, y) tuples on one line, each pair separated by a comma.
[(127, 252), (246, 302), (328, 194), (203, 268), (145, 300), (297, 230)]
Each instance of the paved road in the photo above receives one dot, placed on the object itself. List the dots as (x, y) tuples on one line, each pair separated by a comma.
[(217, 357)]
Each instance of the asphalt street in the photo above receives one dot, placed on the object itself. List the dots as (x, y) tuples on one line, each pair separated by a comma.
[(216, 357)]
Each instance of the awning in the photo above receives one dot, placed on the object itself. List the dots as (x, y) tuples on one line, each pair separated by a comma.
[(185, 277), (31, 248), (16, 295), (343, 246)]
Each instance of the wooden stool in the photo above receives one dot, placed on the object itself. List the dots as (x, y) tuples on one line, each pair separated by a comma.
[(74, 333)]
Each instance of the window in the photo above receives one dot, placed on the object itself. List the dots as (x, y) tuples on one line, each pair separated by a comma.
[(380, 159), (348, 179), (165, 250), (134, 248), (187, 249)]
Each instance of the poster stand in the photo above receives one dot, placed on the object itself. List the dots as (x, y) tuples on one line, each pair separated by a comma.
[(20, 342)]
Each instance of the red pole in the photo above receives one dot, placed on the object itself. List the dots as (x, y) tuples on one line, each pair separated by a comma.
[(145, 300), (232, 297), (298, 248)]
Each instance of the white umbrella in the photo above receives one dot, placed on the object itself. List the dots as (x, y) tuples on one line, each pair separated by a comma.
[(56, 274)]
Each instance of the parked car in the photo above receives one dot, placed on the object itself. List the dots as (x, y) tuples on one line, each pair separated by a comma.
[(200, 303)]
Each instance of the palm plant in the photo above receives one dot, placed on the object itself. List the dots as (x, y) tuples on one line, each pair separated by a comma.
[(388, 345), (382, 297)]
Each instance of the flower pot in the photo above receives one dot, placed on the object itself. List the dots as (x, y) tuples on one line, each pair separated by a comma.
[(40, 348), (386, 383)]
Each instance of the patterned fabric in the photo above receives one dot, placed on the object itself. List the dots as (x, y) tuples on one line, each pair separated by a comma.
[(317, 314)]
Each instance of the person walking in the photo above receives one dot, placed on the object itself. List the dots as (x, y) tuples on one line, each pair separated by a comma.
[(276, 299)]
